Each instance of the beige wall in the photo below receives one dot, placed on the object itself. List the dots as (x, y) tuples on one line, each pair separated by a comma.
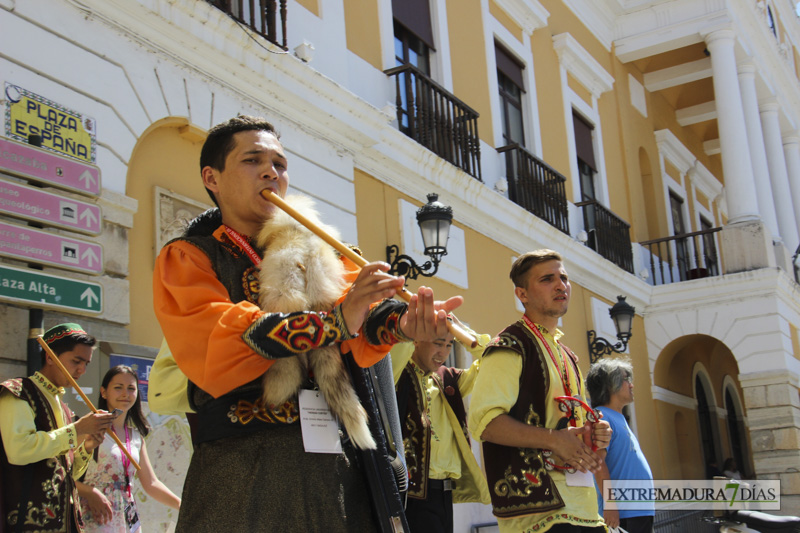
[(166, 155), (468, 61), (362, 30)]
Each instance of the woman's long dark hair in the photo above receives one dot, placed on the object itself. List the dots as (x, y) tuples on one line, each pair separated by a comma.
[(135, 414)]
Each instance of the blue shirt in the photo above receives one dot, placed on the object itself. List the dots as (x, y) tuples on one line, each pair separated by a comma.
[(625, 459)]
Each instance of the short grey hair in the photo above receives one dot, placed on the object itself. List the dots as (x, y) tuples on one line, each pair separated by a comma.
[(606, 377)]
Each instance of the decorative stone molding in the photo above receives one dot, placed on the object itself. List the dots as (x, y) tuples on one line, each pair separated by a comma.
[(529, 14), (580, 63), (668, 396)]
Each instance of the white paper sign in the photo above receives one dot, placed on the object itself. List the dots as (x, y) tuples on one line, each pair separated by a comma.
[(580, 479), (319, 426)]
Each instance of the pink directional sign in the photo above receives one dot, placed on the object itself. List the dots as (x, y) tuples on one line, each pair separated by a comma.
[(34, 163), (37, 246), (48, 208)]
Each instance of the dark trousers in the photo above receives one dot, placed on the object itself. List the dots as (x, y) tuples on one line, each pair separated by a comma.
[(637, 524), (433, 514), (571, 528)]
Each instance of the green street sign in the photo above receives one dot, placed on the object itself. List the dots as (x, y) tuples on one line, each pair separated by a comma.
[(37, 289)]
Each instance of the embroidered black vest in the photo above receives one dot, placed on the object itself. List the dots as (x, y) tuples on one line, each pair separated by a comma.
[(240, 411), (416, 427), (518, 482), (38, 494)]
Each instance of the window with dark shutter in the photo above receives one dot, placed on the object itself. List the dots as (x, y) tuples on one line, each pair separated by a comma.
[(583, 140), (415, 15)]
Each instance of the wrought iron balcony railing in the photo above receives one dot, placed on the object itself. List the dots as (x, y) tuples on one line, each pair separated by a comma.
[(259, 15), (536, 186), (436, 119), (608, 234), (683, 257)]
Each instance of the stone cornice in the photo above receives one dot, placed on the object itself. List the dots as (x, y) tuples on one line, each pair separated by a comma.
[(189, 32), (580, 63), (529, 14)]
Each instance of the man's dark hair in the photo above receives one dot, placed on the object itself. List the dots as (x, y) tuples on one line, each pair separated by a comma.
[(527, 261), (219, 142), (606, 377), (68, 343)]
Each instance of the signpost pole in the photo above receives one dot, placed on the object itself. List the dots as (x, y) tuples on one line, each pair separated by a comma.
[(35, 316)]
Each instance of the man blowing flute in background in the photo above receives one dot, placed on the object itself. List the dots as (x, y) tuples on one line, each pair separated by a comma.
[(537, 461), (249, 470)]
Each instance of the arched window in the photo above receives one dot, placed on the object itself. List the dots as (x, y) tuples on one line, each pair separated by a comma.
[(707, 418), (736, 430)]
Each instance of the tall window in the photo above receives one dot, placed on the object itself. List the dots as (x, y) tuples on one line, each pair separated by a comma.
[(511, 87), (679, 228), (587, 168), (707, 421), (735, 430), (709, 248), (413, 42)]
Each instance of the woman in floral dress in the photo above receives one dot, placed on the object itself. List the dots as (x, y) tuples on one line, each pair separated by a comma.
[(106, 491)]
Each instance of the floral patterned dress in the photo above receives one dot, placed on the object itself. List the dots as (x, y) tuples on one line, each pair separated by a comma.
[(107, 474)]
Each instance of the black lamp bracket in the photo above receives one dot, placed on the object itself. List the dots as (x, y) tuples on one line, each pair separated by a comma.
[(404, 265), (600, 347)]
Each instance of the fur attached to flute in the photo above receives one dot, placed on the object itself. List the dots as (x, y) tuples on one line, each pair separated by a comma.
[(303, 273)]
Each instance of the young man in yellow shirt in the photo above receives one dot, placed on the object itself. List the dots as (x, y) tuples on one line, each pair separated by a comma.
[(43, 450), (539, 458)]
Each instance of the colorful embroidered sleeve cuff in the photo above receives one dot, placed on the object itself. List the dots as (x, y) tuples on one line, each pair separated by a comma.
[(383, 323), (81, 463), (279, 335), (82, 453), (72, 437)]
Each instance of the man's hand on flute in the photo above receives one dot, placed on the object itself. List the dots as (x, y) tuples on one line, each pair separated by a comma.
[(426, 319), (372, 285), (92, 427)]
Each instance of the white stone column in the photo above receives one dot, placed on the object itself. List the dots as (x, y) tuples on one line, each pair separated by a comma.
[(773, 142), (758, 155), (740, 189), (791, 149)]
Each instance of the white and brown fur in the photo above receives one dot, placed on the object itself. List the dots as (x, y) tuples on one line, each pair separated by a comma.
[(300, 272)]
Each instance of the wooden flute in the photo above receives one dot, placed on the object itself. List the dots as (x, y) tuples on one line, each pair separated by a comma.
[(86, 399), (458, 332)]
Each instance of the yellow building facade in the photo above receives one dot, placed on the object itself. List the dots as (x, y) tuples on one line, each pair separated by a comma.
[(653, 143)]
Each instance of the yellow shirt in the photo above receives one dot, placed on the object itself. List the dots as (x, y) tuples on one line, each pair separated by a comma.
[(445, 455), (495, 392), (24, 444)]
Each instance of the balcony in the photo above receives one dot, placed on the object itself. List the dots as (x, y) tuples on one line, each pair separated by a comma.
[(436, 119), (683, 257), (536, 187), (608, 234), (258, 15)]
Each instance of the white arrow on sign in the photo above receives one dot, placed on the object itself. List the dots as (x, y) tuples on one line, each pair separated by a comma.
[(88, 295), (92, 256), (89, 216), (87, 179)]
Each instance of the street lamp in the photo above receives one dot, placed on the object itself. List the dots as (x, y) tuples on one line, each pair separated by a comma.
[(622, 315), (434, 219)]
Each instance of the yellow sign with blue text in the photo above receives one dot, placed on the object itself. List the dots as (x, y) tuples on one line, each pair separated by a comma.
[(61, 130)]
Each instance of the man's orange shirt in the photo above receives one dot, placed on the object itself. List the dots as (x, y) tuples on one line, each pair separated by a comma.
[(204, 328)]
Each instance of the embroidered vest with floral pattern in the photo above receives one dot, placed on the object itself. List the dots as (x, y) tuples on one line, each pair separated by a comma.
[(50, 487), (518, 481)]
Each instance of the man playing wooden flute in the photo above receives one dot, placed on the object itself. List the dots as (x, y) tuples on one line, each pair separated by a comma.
[(43, 450), (529, 410), (249, 470), (430, 398)]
